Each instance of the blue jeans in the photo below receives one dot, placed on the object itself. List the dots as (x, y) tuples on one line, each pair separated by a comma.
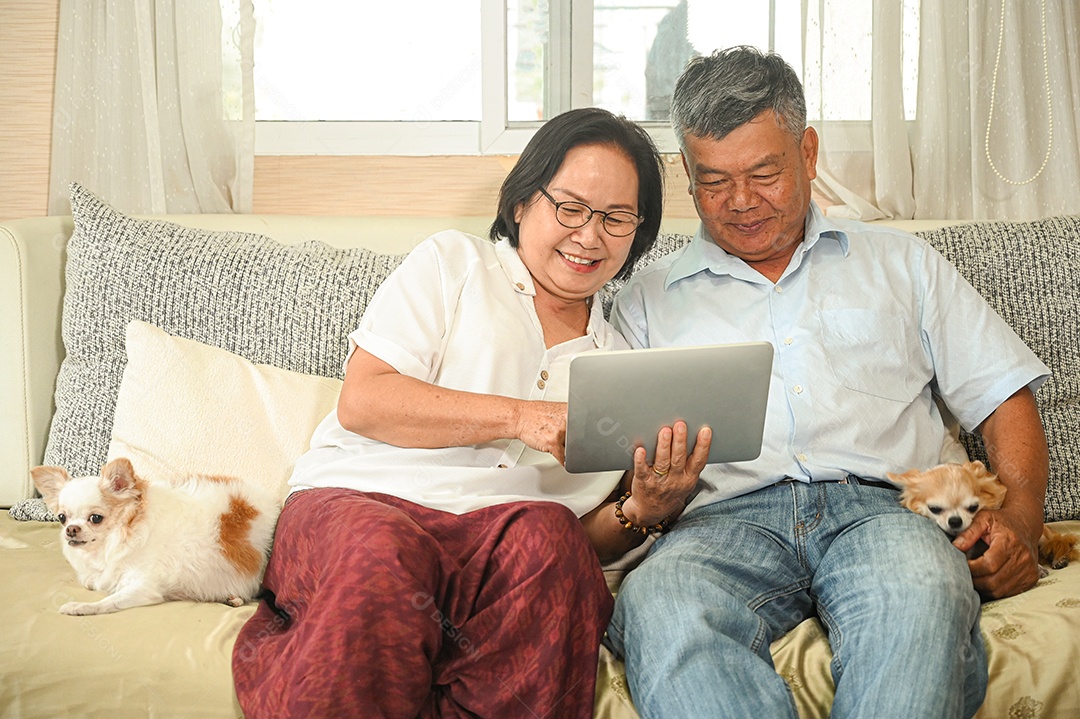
[(695, 620)]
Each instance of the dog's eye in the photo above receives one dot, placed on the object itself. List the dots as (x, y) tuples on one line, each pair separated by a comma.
[(96, 519), (973, 508), (62, 517), (934, 509)]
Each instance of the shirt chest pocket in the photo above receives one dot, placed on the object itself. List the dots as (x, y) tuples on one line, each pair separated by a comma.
[(874, 352)]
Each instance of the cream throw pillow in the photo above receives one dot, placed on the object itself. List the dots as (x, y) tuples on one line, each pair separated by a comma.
[(185, 407)]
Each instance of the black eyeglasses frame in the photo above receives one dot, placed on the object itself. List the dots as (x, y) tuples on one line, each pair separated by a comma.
[(588, 218)]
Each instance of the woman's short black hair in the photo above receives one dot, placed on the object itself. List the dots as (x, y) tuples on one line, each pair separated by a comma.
[(547, 149)]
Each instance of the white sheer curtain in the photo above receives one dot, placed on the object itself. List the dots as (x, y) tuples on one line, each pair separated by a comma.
[(154, 105), (943, 162)]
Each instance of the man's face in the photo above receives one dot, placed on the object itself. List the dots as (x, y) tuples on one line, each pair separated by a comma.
[(752, 189)]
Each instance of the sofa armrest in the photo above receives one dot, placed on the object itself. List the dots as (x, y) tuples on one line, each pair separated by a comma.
[(32, 255)]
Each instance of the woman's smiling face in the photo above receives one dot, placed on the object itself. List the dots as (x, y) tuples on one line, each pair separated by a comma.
[(572, 264)]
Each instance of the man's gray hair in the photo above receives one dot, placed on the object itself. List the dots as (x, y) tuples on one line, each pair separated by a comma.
[(720, 92)]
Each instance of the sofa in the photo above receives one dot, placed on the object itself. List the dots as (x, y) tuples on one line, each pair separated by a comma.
[(214, 343)]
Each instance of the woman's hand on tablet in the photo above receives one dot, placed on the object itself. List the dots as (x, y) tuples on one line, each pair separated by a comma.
[(542, 426), (659, 491)]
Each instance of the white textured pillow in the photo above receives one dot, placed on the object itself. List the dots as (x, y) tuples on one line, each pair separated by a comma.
[(187, 407)]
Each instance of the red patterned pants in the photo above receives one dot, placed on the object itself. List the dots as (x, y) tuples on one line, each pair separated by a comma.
[(382, 608)]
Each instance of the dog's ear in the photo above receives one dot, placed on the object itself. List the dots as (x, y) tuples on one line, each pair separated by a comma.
[(991, 489), (906, 479), (978, 469), (909, 482), (119, 478), (993, 493), (49, 481)]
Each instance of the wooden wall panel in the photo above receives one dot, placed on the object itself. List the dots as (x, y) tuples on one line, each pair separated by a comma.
[(27, 67), (378, 185), (444, 186)]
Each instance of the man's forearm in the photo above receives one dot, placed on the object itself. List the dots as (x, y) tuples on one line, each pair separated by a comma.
[(1016, 447)]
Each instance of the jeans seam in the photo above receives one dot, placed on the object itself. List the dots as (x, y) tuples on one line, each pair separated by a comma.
[(835, 636), (762, 599)]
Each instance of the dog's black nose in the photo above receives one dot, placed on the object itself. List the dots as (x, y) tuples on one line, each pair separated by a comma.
[(955, 522), (73, 531)]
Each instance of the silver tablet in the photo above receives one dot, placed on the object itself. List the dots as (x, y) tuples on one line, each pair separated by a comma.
[(620, 400)]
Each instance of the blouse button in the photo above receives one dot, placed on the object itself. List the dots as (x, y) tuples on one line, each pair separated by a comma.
[(502, 466), (520, 286), (543, 374), (540, 383)]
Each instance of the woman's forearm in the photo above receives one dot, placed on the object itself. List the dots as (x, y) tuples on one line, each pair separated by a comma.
[(378, 402)]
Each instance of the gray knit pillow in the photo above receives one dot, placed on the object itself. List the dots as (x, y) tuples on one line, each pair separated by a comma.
[(291, 306), (1030, 274)]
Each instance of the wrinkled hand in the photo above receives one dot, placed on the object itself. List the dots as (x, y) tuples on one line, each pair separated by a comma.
[(542, 426), (660, 490), (1010, 564)]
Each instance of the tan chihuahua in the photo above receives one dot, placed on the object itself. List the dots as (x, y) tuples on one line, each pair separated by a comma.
[(951, 495)]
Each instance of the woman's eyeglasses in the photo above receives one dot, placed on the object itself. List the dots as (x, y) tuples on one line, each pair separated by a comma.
[(618, 223)]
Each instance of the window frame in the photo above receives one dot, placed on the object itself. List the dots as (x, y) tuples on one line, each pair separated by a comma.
[(571, 46)]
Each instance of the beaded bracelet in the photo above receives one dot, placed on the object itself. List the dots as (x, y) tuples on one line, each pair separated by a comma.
[(627, 524)]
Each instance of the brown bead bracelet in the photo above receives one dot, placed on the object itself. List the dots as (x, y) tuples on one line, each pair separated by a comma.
[(627, 524)]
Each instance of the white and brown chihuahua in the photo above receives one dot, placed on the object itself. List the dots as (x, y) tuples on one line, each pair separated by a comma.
[(200, 538), (951, 495)]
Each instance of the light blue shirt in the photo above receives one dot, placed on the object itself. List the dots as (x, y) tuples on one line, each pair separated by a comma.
[(868, 323)]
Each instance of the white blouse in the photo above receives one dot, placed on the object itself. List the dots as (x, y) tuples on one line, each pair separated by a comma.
[(459, 313)]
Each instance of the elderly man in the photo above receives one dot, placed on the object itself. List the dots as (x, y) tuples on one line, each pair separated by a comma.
[(869, 325)]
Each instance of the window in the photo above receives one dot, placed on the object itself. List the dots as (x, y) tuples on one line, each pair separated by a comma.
[(478, 76), (328, 60)]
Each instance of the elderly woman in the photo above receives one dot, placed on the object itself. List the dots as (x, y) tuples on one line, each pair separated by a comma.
[(435, 559)]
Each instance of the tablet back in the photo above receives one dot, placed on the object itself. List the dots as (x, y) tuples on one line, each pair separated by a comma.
[(619, 400)]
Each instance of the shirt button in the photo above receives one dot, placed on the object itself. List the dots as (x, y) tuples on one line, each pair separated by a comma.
[(502, 466), (520, 286), (540, 383), (788, 340), (797, 389), (779, 290), (543, 374), (802, 457)]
